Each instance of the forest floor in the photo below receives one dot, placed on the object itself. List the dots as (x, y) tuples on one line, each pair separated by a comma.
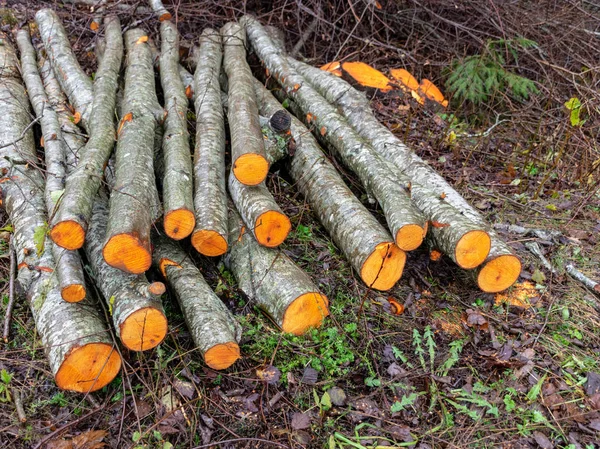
[(457, 368)]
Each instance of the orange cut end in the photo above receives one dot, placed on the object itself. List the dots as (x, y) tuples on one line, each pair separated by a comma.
[(384, 266), (472, 249), (179, 223), (367, 76), (431, 91), (68, 234), (88, 368), (222, 356), (164, 263), (94, 25), (157, 288), (306, 312), (499, 273), (410, 237), (250, 169), (165, 16), (144, 329), (73, 293), (127, 253), (271, 228), (333, 67), (405, 78), (209, 243)]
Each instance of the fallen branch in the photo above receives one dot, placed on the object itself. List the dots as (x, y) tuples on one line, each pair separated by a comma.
[(214, 330), (16, 394), (579, 276), (11, 291), (159, 10)]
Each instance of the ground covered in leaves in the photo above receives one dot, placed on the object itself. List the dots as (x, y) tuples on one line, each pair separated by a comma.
[(434, 363)]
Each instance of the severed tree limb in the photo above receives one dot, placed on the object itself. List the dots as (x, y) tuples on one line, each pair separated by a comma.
[(186, 77), (71, 219), (367, 245), (84, 358), (274, 282), (69, 268), (16, 394), (127, 242), (264, 218), (502, 267), (73, 80), (579, 276), (11, 291), (210, 194), (248, 161), (159, 10), (214, 329), (179, 219)]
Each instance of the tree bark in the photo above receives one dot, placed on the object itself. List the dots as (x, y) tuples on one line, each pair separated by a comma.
[(248, 161), (214, 329), (502, 267), (68, 266), (210, 195), (186, 77), (269, 225), (274, 282), (367, 245), (84, 358), (178, 199), (75, 209), (73, 80), (133, 302), (159, 10), (127, 245)]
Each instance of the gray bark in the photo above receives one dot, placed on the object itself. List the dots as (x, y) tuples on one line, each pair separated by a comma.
[(210, 195), (22, 195), (209, 321), (177, 178), (273, 281)]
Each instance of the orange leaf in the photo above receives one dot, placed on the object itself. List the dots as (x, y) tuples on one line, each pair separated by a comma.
[(396, 307), (437, 224), (367, 76), (377, 4), (188, 92), (405, 78), (126, 118), (431, 91), (142, 39), (323, 130), (435, 255), (77, 117), (443, 196)]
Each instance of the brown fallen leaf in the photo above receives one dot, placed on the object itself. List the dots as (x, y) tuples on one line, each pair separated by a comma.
[(188, 92), (270, 374), (91, 439), (300, 421)]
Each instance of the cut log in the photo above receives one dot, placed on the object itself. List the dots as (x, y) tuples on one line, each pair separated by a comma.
[(84, 358), (214, 330), (177, 181), (73, 80), (159, 10), (210, 195), (269, 225), (502, 267), (274, 282), (69, 269), (186, 77), (367, 245), (133, 302), (70, 221), (248, 161), (127, 244)]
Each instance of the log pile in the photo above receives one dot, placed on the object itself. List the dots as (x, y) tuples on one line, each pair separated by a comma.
[(118, 193)]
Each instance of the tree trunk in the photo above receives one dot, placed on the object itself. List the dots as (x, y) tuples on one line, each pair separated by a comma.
[(71, 219), (248, 161), (177, 180), (274, 282), (127, 245), (73, 80), (69, 269), (214, 330), (159, 10), (269, 225), (502, 267), (210, 195), (367, 245), (133, 302), (186, 77), (84, 358)]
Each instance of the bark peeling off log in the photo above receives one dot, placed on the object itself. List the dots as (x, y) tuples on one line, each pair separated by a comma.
[(274, 282), (71, 219), (501, 268), (389, 188), (260, 212), (248, 161), (73, 80), (84, 358), (210, 196), (68, 266), (213, 327), (365, 243), (133, 302), (179, 217), (127, 244)]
